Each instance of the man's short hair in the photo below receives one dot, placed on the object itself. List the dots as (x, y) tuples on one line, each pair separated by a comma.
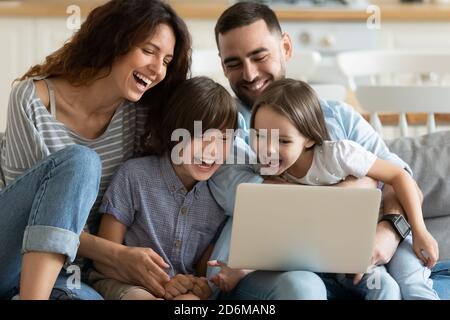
[(243, 14)]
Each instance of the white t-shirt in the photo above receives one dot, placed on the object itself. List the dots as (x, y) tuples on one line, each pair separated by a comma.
[(334, 161)]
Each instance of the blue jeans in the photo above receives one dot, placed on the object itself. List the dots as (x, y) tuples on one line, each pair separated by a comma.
[(440, 275), (410, 273), (64, 289), (307, 285), (377, 284), (45, 210), (271, 285), (267, 285)]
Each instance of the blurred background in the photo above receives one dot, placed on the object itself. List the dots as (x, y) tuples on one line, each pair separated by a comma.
[(400, 44)]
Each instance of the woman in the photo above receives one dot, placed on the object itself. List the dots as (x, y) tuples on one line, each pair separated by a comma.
[(71, 122)]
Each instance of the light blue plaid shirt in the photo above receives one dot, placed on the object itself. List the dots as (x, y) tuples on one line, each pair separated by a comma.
[(147, 196)]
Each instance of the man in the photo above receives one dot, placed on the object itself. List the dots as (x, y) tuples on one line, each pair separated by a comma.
[(254, 53)]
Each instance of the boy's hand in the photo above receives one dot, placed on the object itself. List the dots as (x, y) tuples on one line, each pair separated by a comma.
[(201, 288), (178, 285), (425, 247), (228, 278)]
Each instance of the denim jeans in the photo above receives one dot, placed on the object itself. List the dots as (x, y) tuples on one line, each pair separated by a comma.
[(272, 285), (410, 273), (308, 285), (45, 210), (66, 289), (440, 275), (266, 285), (377, 284)]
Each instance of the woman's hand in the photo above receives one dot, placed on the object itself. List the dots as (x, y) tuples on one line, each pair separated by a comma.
[(425, 247), (143, 266)]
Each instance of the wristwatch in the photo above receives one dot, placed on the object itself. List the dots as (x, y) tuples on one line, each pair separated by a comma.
[(399, 223)]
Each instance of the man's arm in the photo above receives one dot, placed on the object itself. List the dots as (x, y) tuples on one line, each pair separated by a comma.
[(224, 182), (345, 123)]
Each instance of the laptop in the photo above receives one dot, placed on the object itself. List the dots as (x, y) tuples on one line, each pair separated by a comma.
[(294, 227)]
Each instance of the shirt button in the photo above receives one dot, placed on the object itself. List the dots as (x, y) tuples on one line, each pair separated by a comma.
[(178, 243), (184, 210)]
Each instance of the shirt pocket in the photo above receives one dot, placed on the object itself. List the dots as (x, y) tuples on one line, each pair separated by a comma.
[(196, 244)]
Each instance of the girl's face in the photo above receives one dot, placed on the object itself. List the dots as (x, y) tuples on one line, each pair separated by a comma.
[(145, 65), (277, 153), (203, 155)]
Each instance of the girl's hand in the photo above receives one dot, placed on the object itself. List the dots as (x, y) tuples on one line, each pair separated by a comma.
[(180, 284), (227, 278), (425, 247), (143, 266)]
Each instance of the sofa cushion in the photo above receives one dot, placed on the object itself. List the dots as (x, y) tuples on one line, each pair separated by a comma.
[(440, 228), (429, 158)]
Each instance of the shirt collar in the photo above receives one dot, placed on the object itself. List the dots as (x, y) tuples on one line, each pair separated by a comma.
[(173, 182)]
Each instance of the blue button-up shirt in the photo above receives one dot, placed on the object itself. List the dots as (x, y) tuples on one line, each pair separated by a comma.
[(147, 196)]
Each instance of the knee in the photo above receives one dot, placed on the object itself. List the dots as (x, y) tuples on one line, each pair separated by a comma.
[(387, 287), (85, 162), (299, 285)]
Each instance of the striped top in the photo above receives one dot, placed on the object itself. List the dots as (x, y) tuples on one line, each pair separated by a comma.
[(32, 133)]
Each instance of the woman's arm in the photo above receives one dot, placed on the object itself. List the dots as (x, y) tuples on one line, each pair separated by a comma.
[(141, 266), (114, 231)]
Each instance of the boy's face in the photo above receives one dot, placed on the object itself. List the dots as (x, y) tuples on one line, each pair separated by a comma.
[(253, 57), (205, 154)]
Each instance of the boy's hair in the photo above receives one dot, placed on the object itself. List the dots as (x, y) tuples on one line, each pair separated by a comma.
[(297, 101), (243, 14), (196, 99)]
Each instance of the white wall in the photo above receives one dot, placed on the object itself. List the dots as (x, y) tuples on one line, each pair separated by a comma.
[(25, 42)]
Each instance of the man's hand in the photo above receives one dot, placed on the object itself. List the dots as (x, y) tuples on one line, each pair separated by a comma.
[(386, 238), (364, 182), (275, 180), (386, 243)]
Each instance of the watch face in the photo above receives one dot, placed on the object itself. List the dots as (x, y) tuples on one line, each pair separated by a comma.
[(402, 226)]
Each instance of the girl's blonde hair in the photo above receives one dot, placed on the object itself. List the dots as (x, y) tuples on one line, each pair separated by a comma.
[(297, 101)]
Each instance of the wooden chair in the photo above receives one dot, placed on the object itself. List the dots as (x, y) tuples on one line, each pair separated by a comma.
[(398, 81)]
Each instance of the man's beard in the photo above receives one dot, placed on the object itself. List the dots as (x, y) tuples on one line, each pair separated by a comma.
[(250, 100)]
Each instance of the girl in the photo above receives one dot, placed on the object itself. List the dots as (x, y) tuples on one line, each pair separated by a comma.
[(304, 155), (71, 122), (162, 201)]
